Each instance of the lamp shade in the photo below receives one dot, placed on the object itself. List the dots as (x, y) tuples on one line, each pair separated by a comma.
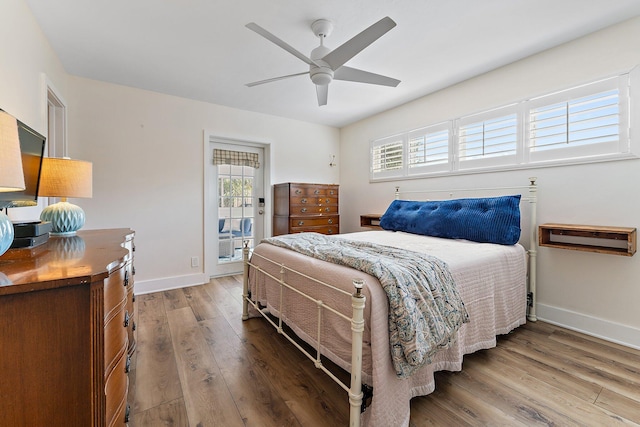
[(64, 177), (11, 175)]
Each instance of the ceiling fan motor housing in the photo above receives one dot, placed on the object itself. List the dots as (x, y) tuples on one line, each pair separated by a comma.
[(323, 74)]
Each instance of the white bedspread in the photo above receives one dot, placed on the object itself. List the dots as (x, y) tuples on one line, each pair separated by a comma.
[(491, 280)]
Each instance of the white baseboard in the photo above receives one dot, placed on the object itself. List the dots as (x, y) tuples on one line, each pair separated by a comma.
[(167, 283), (599, 328)]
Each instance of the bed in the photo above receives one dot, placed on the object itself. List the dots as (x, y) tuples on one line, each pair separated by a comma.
[(344, 311)]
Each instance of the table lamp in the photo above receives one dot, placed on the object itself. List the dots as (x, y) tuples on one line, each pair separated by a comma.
[(64, 177), (11, 176)]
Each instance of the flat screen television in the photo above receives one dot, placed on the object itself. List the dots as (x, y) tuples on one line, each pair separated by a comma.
[(32, 146)]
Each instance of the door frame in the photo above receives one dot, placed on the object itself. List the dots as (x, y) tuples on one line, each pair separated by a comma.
[(210, 237)]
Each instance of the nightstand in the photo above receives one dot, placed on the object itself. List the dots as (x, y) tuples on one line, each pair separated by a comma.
[(589, 238), (370, 221)]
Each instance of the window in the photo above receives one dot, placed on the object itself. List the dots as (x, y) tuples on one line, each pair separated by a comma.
[(387, 157), (581, 122), (488, 139), (429, 149), (584, 123)]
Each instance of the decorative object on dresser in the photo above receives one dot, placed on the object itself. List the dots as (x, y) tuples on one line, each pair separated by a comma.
[(11, 175), (30, 234), (302, 207), (64, 177), (67, 331)]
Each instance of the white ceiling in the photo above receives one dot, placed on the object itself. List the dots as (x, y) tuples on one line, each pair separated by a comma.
[(200, 49)]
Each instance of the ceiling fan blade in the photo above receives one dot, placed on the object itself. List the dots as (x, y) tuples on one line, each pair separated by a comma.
[(322, 91), (267, 35), (275, 79), (360, 76), (340, 55)]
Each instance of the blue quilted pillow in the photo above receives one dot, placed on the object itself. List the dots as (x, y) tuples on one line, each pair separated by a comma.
[(486, 220)]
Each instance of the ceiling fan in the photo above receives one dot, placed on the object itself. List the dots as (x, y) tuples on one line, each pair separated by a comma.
[(326, 65)]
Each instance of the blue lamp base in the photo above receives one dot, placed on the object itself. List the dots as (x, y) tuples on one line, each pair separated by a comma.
[(6, 233), (65, 218)]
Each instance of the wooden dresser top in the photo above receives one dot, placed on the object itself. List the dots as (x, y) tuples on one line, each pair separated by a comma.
[(64, 261)]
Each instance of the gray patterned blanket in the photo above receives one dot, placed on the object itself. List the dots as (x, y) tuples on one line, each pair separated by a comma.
[(425, 309)]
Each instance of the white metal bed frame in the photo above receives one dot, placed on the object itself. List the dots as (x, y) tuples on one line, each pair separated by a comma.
[(358, 300)]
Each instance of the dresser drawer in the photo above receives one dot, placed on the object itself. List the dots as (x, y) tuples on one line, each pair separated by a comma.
[(115, 339), (323, 229), (313, 210), (115, 389), (131, 309), (115, 292), (314, 200), (300, 190), (314, 221)]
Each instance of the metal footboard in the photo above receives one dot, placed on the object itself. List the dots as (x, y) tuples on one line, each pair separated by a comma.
[(358, 301)]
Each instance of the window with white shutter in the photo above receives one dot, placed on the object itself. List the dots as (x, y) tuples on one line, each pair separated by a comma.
[(488, 139), (387, 157), (429, 149), (586, 123)]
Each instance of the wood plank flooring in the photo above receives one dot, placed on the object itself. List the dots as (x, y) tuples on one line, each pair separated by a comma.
[(199, 364)]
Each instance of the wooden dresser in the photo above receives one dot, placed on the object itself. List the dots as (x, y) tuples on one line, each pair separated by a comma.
[(67, 331), (305, 207)]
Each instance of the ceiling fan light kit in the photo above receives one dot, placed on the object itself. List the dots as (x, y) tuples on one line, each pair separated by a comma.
[(326, 65)]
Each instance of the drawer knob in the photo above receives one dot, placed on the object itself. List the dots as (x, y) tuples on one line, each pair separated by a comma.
[(327, 209), (298, 191), (126, 278), (330, 221), (300, 222), (127, 365), (303, 201), (331, 192), (303, 210), (126, 319), (330, 231), (316, 192), (127, 413)]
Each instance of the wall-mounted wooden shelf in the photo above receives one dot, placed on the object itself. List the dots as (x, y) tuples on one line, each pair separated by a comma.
[(589, 238), (370, 220)]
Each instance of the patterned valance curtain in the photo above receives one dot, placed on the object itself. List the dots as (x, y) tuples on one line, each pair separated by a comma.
[(235, 158)]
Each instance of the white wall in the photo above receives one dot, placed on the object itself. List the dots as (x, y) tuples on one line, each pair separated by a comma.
[(596, 293), (26, 63), (147, 150)]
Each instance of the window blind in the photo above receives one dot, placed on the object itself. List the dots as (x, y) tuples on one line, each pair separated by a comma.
[(387, 156), (235, 158), (587, 120), (488, 138), (428, 148)]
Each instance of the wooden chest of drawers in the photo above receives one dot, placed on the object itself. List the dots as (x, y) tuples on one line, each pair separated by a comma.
[(302, 207), (67, 332)]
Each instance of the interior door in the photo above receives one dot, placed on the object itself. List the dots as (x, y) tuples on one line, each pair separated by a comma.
[(239, 198)]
